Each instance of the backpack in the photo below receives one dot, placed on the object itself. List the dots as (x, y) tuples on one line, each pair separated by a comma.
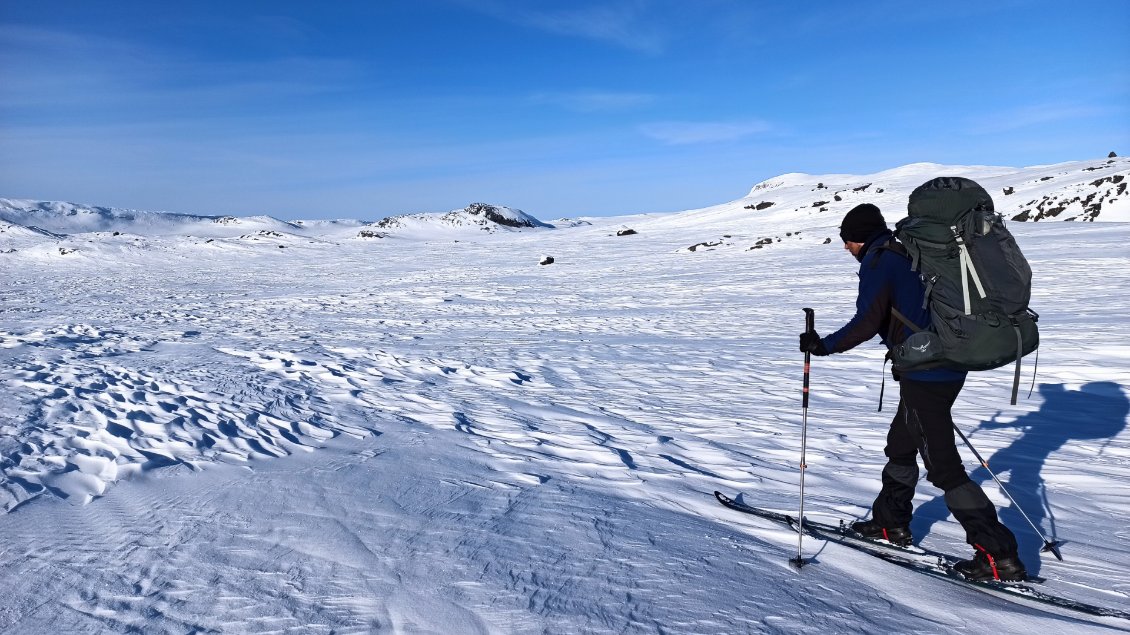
[(977, 282)]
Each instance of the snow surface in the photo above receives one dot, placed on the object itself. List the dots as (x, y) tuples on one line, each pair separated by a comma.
[(298, 430)]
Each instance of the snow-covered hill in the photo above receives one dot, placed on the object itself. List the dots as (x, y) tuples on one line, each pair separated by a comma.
[(476, 217), (71, 218), (1075, 191)]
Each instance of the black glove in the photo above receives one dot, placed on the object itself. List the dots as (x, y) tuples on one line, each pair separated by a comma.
[(810, 343)]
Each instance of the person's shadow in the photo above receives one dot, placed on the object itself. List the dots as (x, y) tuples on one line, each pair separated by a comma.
[(1097, 410)]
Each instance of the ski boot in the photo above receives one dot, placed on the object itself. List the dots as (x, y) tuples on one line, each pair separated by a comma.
[(983, 567), (899, 536)]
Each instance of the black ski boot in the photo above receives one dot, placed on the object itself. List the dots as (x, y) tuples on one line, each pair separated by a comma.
[(895, 535), (986, 568)]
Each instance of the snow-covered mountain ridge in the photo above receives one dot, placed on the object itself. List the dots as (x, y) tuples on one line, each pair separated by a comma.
[(1074, 191), (71, 218)]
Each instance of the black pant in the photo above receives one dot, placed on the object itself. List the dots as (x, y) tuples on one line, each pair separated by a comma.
[(923, 426)]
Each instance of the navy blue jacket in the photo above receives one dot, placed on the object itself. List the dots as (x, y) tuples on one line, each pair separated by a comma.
[(886, 280)]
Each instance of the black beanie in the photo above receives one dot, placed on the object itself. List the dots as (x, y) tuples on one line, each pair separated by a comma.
[(861, 223)]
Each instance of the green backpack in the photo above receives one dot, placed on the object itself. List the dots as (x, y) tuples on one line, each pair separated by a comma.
[(978, 284)]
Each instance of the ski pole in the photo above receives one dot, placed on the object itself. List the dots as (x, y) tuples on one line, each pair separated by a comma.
[(1049, 545), (809, 325)]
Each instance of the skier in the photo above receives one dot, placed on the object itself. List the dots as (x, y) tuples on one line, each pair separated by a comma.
[(922, 424)]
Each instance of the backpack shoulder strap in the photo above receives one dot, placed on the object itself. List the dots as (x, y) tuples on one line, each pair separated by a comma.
[(890, 245)]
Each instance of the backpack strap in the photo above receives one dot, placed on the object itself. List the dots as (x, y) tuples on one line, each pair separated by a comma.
[(968, 271), (883, 386), (891, 245), (1019, 352), (929, 289), (1032, 315), (910, 325), (897, 247)]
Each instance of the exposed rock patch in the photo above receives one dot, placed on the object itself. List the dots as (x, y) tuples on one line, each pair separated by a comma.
[(698, 246), (761, 206)]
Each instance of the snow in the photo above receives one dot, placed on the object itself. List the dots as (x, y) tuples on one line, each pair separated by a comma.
[(294, 429)]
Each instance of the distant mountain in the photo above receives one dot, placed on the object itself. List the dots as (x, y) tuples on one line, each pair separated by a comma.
[(71, 218), (476, 217)]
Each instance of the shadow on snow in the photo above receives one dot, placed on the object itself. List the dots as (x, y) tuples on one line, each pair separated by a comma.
[(1095, 411)]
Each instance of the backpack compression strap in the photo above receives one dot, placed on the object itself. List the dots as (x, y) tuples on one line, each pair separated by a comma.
[(967, 271), (1019, 353)]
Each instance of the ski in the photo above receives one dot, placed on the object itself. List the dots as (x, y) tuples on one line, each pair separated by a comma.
[(844, 535), (932, 563), (841, 530)]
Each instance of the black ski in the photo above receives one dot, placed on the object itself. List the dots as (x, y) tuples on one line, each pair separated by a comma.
[(842, 533), (925, 561)]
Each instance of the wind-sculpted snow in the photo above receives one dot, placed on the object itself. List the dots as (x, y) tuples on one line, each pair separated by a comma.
[(88, 415)]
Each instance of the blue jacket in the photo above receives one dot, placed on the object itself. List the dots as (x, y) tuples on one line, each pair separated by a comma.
[(886, 280)]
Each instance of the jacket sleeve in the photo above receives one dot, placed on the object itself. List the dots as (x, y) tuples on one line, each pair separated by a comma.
[(871, 309)]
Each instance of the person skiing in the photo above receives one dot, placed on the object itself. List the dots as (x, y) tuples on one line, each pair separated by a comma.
[(923, 424)]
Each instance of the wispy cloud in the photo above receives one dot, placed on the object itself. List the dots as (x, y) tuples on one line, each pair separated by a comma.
[(594, 101), (629, 24), (686, 132), (1035, 115), (52, 70)]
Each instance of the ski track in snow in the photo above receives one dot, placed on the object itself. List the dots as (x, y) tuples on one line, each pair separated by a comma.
[(448, 438)]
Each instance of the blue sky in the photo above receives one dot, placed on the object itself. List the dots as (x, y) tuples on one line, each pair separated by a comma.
[(345, 109)]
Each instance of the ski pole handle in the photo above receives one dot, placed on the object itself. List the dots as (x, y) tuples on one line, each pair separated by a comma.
[(809, 325)]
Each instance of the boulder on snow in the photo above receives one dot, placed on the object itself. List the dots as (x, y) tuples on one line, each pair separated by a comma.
[(707, 243), (546, 260), (760, 206)]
